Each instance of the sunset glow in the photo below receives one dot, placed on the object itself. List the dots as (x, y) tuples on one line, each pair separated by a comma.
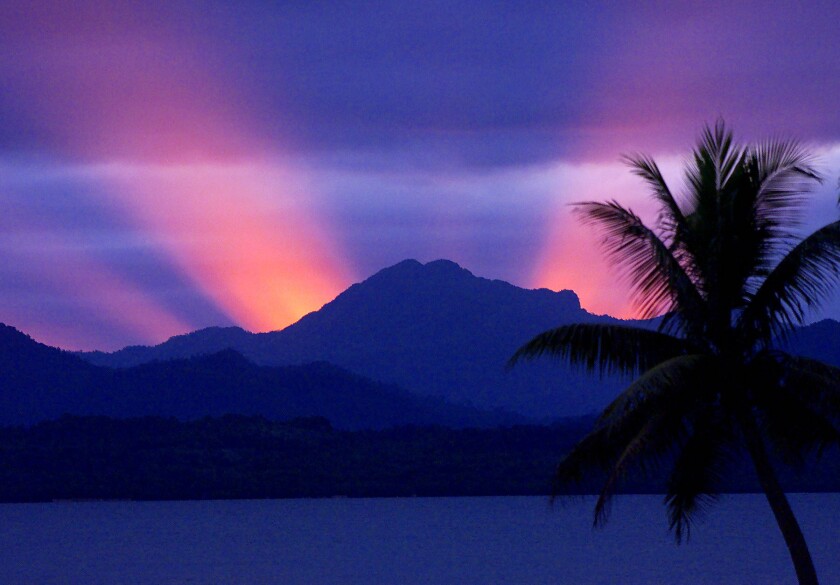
[(176, 160), (62, 265), (572, 255), (240, 234), (173, 166)]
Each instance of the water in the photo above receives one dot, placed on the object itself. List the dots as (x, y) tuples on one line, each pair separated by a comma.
[(405, 541)]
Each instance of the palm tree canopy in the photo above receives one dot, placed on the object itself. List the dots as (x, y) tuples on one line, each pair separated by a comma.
[(723, 266)]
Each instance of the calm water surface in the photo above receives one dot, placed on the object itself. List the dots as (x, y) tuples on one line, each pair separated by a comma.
[(405, 541)]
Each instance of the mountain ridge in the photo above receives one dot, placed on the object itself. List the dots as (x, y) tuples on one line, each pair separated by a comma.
[(438, 330), (41, 383), (434, 330)]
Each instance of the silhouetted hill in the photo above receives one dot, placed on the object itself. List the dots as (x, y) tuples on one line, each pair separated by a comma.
[(226, 382), (41, 383), (435, 330), (438, 330), (202, 342)]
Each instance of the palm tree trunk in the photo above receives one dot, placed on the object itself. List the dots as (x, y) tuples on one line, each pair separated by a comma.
[(791, 531)]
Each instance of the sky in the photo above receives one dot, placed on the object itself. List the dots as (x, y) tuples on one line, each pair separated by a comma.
[(168, 166)]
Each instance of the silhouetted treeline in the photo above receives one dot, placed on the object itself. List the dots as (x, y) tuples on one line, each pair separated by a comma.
[(251, 457)]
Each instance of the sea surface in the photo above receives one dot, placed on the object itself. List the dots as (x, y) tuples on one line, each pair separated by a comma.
[(408, 541)]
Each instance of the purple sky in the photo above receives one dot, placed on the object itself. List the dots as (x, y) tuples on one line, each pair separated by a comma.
[(190, 164)]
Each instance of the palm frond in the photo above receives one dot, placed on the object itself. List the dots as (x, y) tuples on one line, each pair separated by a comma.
[(793, 428), (698, 472), (671, 220), (813, 382), (687, 376), (644, 452), (799, 282), (715, 161), (785, 173), (658, 281), (636, 442), (721, 240), (779, 175), (796, 402), (639, 427), (603, 348)]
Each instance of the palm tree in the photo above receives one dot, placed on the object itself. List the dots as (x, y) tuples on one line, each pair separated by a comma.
[(730, 280)]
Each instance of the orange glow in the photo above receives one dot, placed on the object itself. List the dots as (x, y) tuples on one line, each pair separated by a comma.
[(251, 247), (574, 260), (180, 158), (573, 255), (243, 232)]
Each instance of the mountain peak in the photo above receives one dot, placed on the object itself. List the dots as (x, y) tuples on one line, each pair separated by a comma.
[(445, 265), (412, 268), (442, 278)]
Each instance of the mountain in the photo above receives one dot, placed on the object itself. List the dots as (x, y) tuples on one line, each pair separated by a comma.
[(38, 382), (42, 383), (437, 330), (201, 342), (226, 382), (434, 329)]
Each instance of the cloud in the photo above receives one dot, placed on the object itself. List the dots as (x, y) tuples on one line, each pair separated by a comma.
[(228, 161)]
